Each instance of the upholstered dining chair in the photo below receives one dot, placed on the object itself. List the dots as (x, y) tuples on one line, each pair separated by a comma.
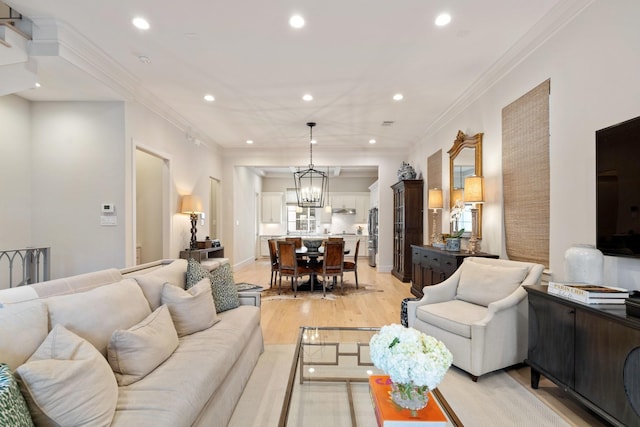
[(298, 242), (349, 266), (275, 267), (288, 265), (332, 264)]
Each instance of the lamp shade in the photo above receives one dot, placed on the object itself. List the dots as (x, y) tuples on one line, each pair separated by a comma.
[(456, 195), (435, 198), (474, 189), (191, 204)]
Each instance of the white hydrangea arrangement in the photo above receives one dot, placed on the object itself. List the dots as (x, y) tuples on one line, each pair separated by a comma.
[(410, 357)]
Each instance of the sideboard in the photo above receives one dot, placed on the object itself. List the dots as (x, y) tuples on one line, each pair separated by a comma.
[(432, 265), (590, 351)]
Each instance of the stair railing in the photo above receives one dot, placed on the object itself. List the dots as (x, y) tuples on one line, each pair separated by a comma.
[(34, 264)]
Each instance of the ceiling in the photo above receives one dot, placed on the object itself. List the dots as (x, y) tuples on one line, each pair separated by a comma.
[(352, 56)]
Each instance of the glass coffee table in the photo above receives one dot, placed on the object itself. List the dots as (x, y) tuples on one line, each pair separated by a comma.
[(329, 380)]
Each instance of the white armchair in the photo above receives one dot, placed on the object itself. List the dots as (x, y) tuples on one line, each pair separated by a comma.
[(480, 313)]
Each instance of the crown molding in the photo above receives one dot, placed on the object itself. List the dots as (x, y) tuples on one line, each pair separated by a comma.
[(556, 19)]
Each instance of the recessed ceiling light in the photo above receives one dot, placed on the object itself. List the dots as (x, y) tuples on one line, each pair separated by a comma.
[(398, 97), (372, 141), (296, 21), (307, 97), (313, 141), (209, 98), (141, 23), (37, 84), (249, 141), (443, 19)]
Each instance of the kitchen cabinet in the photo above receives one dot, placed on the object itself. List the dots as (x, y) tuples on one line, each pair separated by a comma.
[(272, 206), (430, 265), (362, 208), (590, 351), (358, 201)]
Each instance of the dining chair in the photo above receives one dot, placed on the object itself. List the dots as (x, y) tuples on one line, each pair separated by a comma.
[(298, 242), (275, 267), (333, 263), (353, 266), (288, 265)]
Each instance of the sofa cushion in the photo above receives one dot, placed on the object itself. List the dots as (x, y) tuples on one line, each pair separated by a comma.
[(95, 314), (173, 394), (153, 282), (78, 283), (483, 284), (223, 288), (67, 382), (13, 408), (454, 316), (135, 352), (29, 322), (191, 310)]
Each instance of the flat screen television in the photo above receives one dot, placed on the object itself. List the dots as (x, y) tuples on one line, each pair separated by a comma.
[(618, 189)]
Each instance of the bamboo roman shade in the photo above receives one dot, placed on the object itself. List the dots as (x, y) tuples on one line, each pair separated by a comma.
[(525, 176)]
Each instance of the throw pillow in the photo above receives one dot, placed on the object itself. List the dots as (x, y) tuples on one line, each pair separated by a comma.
[(223, 288), (95, 314), (135, 352), (483, 284), (29, 321), (191, 310), (13, 409), (67, 382)]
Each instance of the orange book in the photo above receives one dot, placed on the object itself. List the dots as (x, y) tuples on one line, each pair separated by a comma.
[(389, 414)]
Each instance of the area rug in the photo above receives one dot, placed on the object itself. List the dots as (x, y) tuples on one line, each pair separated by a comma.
[(271, 294), (495, 400)]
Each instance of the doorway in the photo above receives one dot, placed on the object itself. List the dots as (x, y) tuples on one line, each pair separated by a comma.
[(214, 223), (151, 171)]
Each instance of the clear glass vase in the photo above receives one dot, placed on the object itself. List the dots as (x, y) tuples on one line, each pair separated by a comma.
[(410, 396)]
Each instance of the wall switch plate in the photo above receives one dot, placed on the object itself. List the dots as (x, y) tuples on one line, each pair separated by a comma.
[(108, 220)]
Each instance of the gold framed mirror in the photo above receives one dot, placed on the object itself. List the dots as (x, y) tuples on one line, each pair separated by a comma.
[(465, 159)]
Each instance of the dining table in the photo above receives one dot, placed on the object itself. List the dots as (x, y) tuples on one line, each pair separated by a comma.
[(313, 252)]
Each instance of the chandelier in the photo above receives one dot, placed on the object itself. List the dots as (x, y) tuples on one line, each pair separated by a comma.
[(311, 184)]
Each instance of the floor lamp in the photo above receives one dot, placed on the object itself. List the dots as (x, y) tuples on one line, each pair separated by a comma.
[(192, 205), (435, 203), (474, 194)]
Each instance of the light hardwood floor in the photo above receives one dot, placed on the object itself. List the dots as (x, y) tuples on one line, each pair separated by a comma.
[(281, 320)]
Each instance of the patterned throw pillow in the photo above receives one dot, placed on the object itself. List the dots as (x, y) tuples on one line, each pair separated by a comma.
[(13, 408), (223, 288)]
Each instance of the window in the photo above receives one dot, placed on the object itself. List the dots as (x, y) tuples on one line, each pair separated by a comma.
[(301, 219)]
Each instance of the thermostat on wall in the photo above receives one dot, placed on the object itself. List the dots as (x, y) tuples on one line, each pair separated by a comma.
[(108, 208)]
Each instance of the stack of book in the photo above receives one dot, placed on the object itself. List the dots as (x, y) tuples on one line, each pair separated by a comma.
[(589, 294)]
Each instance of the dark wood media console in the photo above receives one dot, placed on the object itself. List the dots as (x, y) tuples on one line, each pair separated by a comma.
[(590, 351)]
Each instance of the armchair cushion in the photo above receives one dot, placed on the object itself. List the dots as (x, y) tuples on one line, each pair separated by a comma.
[(453, 316), (483, 284)]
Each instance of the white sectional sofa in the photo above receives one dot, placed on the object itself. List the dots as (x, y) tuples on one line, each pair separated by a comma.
[(198, 384)]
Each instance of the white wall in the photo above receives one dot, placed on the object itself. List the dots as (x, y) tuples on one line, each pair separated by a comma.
[(594, 67), (77, 164), (15, 173), (191, 165)]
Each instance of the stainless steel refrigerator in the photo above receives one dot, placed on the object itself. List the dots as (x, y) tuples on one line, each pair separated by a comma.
[(372, 243)]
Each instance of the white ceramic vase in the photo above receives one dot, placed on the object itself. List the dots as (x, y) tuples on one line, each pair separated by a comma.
[(584, 264)]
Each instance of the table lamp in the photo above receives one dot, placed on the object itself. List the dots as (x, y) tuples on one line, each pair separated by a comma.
[(474, 194), (192, 205), (435, 203)]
